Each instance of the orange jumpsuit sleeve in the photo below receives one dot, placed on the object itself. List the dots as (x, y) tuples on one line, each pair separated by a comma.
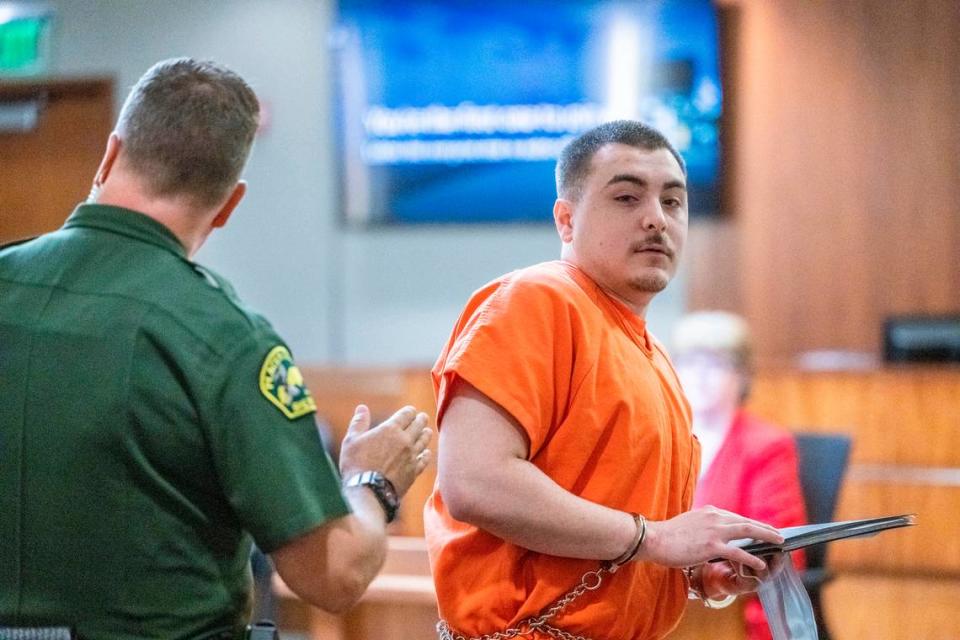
[(515, 344)]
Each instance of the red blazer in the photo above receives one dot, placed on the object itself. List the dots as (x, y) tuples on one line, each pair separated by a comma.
[(755, 474)]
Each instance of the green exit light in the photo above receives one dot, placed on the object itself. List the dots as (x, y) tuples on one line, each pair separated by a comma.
[(21, 45)]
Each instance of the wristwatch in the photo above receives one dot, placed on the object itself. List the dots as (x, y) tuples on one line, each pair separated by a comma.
[(381, 487)]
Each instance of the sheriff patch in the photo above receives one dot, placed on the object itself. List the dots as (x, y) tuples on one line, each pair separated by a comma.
[(282, 384)]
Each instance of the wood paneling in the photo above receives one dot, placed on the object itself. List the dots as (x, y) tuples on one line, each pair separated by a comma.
[(931, 548), (48, 171), (905, 416), (846, 150), (712, 264), (905, 459), (888, 608), (698, 623), (904, 422)]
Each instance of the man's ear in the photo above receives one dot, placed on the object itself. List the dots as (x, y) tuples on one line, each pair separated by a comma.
[(231, 203), (563, 219), (109, 157)]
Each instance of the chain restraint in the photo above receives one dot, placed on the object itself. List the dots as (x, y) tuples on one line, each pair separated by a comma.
[(590, 581)]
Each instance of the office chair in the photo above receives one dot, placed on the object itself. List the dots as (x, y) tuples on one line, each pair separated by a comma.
[(823, 460)]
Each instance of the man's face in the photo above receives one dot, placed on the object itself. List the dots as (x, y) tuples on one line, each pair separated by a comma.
[(629, 224)]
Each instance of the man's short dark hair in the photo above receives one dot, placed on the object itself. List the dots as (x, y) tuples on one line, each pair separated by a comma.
[(574, 162), (187, 128)]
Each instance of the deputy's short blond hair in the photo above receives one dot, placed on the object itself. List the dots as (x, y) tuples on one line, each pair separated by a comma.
[(187, 128), (717, 331)]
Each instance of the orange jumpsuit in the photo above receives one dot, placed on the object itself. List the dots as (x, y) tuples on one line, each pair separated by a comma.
[(605, 418)]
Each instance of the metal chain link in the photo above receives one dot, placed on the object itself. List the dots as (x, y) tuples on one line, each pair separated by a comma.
[(590, 581)]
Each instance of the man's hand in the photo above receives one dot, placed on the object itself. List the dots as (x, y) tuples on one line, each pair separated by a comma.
[(331, 566), (397, 447), (702, 535), (720, 579)]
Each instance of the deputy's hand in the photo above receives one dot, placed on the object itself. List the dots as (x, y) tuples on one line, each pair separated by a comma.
[(704, 534), (397, 447)]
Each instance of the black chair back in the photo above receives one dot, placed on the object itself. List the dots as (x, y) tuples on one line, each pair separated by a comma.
[(823, 461)]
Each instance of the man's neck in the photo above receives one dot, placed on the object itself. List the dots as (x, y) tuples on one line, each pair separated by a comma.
[(171, 213), (637, 304), (639, 308)]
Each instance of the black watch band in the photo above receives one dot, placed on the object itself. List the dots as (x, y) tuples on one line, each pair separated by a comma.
[(382, 488)]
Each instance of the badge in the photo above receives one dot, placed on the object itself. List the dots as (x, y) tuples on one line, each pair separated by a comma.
[(282, 384)]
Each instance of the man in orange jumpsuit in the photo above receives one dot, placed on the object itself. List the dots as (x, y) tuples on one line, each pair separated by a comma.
[(565, 439)]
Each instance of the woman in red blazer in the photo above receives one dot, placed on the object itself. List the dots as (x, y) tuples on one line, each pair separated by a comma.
[(747, 466)]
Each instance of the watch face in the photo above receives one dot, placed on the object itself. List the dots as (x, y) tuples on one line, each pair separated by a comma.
[(389, 492), (385, 492)]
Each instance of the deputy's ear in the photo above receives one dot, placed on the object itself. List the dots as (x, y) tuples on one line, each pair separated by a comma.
[(563, 219), (109, 157), (231, 203)]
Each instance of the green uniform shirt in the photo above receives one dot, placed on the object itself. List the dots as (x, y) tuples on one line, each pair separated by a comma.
[(148, 421)]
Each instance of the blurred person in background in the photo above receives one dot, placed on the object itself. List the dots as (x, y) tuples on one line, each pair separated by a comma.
[(151, 423), (747, 466)]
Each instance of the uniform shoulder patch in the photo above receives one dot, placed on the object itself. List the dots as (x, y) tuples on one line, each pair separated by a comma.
[(282, 384)]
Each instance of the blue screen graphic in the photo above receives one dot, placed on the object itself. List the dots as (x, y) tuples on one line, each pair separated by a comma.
[(455, 112)]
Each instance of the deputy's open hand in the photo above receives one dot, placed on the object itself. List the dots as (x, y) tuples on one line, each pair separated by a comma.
[(397, 447)]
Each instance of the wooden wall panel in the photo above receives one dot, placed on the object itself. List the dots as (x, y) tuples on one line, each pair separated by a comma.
[(904, 423), (48, 171), (698, 623), (712, 265), (931, 548), (401, 603), (845, 154), (885, 608), (906, 416)]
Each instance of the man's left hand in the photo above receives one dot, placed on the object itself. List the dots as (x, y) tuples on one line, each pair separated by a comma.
[(724, 578)]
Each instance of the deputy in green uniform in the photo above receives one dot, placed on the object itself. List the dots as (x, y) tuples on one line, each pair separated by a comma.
[(150, 423)]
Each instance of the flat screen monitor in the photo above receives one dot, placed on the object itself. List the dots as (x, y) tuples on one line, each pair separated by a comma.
[(455, 112)]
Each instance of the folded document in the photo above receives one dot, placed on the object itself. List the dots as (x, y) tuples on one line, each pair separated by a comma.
[(804, 536)]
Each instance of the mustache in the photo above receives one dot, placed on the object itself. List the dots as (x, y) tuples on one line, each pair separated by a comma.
[(654, 242)]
